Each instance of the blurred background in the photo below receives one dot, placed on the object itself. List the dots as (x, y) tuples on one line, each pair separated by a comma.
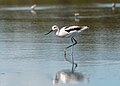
[(43, 2)]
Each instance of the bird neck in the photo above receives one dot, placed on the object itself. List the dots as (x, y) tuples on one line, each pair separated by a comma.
[(57, 31)]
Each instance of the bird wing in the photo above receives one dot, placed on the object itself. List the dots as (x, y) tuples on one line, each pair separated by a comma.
[(73, 28)]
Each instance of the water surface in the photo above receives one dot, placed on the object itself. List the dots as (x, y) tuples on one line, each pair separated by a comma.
[(29, 58)]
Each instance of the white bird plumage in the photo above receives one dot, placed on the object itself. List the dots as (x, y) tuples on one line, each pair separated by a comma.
[(33, 6), (68, 31), (113, 6)]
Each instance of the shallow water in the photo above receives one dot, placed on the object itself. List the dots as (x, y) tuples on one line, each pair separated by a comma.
[(29, 58)]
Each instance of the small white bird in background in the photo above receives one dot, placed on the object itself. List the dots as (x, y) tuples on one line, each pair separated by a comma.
[(76, 14), (113, 6), (33, 7), (68, 31)]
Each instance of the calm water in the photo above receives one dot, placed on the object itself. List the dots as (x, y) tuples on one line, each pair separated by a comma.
[(29, 58)]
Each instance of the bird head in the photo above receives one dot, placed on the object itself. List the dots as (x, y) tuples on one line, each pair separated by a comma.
[(54, 28)]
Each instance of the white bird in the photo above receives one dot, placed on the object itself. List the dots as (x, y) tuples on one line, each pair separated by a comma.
[(77, 19), (68, 31), (33, 7), (113, 6), (76, 14)]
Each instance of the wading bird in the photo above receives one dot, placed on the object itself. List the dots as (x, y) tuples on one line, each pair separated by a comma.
[(68, 31), (113, 6)]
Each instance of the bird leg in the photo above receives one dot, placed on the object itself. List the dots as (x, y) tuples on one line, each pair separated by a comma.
[(74, 43), (74, 65), (65, 55), (72, 59)]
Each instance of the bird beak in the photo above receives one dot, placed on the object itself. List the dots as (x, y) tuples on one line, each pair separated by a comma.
[(48, 32)]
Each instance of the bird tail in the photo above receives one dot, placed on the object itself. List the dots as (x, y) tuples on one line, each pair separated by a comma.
[(84, 28)]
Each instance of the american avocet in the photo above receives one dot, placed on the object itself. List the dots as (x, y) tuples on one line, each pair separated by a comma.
[(68, 31)]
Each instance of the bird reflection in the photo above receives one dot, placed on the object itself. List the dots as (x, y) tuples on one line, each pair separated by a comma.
[(67, 76), (74, 65), (76, 17), (33, 9), (33, 12)]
